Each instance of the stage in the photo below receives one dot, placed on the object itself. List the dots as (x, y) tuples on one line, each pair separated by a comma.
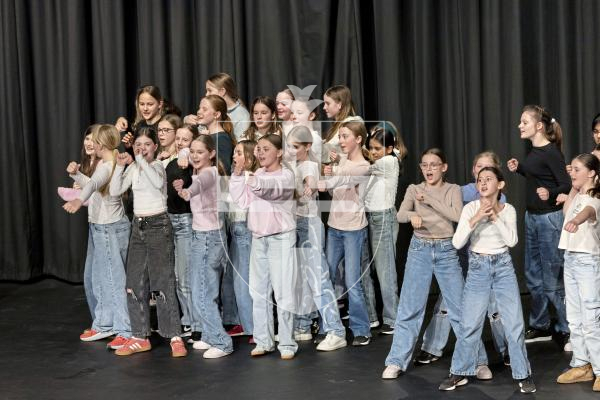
[(43, 358)]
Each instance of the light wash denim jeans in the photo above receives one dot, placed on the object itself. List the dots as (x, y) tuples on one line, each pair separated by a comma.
[(425, 259), (367, 273), (348, 245), (182, 234), (239, 250), (273, 270), (582, 287), (383, 233), (108, 276), (544, 269), (87, 274), (314, 270), (208, 251), (490, 274)]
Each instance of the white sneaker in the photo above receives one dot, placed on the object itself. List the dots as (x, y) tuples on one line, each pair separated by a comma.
[(568, 347), (374, 324), (483, 373), (260, 351), (302, 336), (201, 345), (332, 342), (287, 354), (391, 372), (213, 352)]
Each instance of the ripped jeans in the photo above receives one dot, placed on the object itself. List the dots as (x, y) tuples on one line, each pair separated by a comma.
[(151, 273)]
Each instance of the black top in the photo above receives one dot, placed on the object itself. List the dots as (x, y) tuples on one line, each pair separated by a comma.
[(175, 204), (544, 167), (224, 149)]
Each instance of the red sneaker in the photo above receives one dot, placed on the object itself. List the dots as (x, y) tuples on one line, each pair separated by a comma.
[(134, 345), (237, 330), (91, 335), (178, 348), (117, 342)]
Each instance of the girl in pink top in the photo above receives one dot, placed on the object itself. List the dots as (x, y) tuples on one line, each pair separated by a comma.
[(268, 194), (208, 248)]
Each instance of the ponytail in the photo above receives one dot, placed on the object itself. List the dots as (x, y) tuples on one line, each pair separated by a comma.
[(552, 130)]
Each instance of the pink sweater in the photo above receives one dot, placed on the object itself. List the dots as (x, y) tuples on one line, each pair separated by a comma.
[(270, 201), (204, 200)]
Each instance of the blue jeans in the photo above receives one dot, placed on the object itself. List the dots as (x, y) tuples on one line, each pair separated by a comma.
[(239, 250), (108, 276), (208, 250), (348, 245), (425, 259), (87, 274), (544, 269), (582, 287), (273, 271), (182, 234), (383, 232), (436, 335), (314, 270), (490, 274)]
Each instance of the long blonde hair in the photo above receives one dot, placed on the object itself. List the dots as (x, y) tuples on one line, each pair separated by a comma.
[(107, 136), (340, 94)]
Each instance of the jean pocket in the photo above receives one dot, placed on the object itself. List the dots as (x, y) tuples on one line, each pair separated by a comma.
[(416, 245), (555, 219)]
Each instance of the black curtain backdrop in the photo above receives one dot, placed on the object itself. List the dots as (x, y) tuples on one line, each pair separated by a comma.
[(452, 73)]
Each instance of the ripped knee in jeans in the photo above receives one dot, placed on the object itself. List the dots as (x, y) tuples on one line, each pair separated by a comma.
[(158, 294)]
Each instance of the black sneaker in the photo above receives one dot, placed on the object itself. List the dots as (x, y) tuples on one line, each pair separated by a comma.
[(194, 337), (361, 341), (527, 385), (386, 330), (319, 338), (186, 331), (453, 381), (562, 340), (425, 358), (537, 335), (506, 359)]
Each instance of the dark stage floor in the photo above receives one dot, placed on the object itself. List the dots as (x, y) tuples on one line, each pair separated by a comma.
[(42, 358)]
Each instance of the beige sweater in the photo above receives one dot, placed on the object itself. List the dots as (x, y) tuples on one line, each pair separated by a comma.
[(439, 210)]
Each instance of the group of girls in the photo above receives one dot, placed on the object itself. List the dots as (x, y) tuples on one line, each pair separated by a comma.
[(226, 226)]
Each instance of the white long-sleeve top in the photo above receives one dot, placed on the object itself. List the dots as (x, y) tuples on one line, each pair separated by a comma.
[(383, 184), (148, 182), (101, 209), (487, 237), (269, 200)]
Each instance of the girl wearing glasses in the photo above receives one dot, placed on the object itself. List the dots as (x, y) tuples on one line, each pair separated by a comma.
[(432, 207), (167, 127), (546, 174)]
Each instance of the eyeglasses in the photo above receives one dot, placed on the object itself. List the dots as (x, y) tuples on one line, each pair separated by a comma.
[(433, 166), (595, 132), (166, 130)]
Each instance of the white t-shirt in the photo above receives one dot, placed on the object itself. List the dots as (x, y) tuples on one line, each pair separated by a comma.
[(381, 191), (306, 207), (487, 237), (587, 237)]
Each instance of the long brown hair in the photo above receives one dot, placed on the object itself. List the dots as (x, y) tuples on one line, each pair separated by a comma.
[(252, 131), (340, 94), (552, 130), (248, 150), (219, 105), (153, 91), (224, 81), (87, 163)]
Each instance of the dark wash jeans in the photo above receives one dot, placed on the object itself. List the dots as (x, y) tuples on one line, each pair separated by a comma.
[(151, 273)]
